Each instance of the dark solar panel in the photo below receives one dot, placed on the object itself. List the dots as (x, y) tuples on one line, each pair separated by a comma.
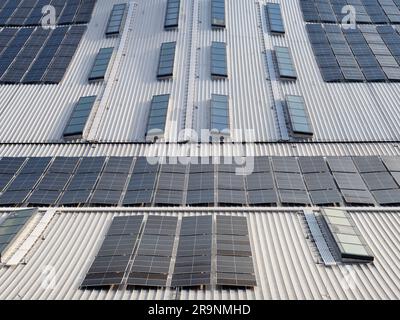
[(112, 260), (153, 258), (234, 255), (193, 261)]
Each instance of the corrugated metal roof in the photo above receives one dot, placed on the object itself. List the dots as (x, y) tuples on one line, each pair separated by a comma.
[(339, 112), (286, 263)]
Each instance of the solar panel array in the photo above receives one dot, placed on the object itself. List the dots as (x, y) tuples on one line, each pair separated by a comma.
[(36, 55), (366, 53), (367, 11), (18, 13), (234, 256), (12, 226), (161, 252), (31, 54), (129, 181)]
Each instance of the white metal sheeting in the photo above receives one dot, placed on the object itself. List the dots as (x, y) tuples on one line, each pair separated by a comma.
[(286, 264), (339, 112), (203, 150)]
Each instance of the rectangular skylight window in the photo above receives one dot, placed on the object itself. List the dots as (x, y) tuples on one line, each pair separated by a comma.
[(220, 114), (274, 18), (218, 60), (172, 14), (79, 117), (101, 64), (166, 63), (158, 116), (12, 226), (350, 244), (298, 116), (285, 63), (218, 13), (117, 16)]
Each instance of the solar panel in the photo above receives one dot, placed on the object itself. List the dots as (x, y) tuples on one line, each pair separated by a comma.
[(79, 117), (35, 165), (369, 164), (100, 65), (313, 164), (319, 181), (285, 164), (12, 226), (158, 115), (260, 181), (262, 197), (218, 13), (91, 165), (166, 62), (379, 181), (341, 164), (120, 165), (117, 16), (112, 259), (142, 165), (289, 181), (153, 258), (300, 122), (387, 197), (325, 197), (193, 258), (219, 67), (293, 197), (234, 255), (4, 180), (357, 197), (172, 14), (274, 18), (63, 165), (392, 163), (11, 165), (285, 63)]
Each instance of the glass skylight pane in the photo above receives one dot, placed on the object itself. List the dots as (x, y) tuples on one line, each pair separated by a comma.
[(79, 117), (101, 63), (298, 116), (116, 18)]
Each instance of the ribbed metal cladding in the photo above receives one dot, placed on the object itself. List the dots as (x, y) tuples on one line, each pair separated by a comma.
[(339, 112), (204, 150), (285, 262)]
